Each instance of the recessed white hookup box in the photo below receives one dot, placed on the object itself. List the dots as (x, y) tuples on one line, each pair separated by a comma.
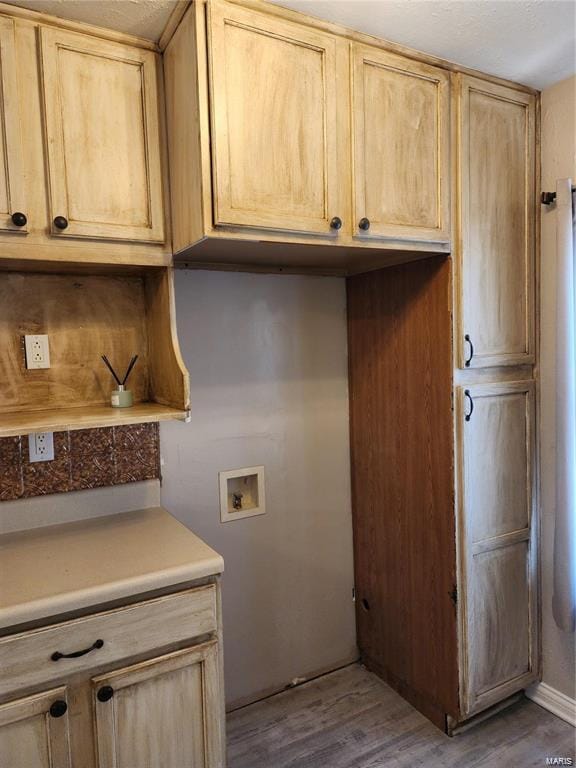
[(242, 493)]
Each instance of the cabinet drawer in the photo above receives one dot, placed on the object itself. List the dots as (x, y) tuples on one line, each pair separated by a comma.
[(26, 659)]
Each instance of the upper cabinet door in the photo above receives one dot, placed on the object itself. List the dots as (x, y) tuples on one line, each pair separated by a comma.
[(11, 169), (273, 102), (497, 171), (102, 134), (401, 137)]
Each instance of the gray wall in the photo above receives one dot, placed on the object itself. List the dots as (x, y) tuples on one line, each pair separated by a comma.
[(267, 357), (558, 162)]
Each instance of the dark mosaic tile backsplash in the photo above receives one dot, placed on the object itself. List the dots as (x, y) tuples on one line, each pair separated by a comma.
[(84, 458)]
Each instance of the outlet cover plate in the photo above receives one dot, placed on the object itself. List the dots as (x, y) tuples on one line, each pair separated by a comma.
[(37, 351), (247, 485), (41, 446)]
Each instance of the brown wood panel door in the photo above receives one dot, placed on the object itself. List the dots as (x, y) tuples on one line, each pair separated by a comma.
[(273, 105), (496, 423), (496, 158), (12, 196), (402, 480), (102, 138), (34, 732), (401, 127), (162, 712)]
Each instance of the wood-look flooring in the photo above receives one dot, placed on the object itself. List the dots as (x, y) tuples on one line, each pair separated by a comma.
[(351, 719)]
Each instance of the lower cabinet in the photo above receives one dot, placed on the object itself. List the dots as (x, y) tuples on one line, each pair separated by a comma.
[(499, 607), (146, 693), (444, 513), (162, 712), (34, 732)]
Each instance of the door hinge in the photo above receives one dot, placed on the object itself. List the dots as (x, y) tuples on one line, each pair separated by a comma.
[(353, 594), (454, 594)]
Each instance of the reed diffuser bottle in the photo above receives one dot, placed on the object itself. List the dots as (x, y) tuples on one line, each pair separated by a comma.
[(121, 397)]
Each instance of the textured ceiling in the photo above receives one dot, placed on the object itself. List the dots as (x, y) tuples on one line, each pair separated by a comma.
[(531, 41)]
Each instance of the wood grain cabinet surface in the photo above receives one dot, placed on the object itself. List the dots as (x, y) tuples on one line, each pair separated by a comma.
[(81, 145), (273, 110), (497, 166), (281, 133), (102, 138), (162, 712), (148, 694), (12, 192), (497, 423), (35, 731), (401, 137)]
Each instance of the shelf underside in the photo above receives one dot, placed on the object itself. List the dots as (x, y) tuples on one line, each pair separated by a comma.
[(84, 417)]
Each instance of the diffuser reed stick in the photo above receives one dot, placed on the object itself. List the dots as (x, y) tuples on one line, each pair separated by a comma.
[(121, 397)]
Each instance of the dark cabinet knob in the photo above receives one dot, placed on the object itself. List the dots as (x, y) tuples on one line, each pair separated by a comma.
[(364, 224), (336, 223), (105, 693), (19, 219), (60, 222), (58, 708)]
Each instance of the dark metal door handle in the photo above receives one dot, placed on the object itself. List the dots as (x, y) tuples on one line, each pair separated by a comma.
[(469, 359), (56, 656), (467, 394)]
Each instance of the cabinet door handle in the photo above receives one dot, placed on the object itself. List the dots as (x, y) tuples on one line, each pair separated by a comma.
[(469, 359), (364, 224), (105, 693), (19, 219), (56, 656), (61, 222), (467, 394), (58, 708), (336, 222)]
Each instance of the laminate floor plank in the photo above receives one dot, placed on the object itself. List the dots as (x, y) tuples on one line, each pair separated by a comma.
[(351, 719)]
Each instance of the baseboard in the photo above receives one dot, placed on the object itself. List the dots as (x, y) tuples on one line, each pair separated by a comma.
[(245, 701), (554, 701)]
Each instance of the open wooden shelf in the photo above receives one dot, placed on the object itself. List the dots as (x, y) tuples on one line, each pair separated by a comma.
[(61, 419), (85, 316)]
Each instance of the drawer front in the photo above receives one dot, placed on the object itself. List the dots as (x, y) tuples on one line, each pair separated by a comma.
[(26, 659)]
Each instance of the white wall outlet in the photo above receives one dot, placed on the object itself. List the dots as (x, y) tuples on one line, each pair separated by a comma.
[(37, 351), (41, 446)]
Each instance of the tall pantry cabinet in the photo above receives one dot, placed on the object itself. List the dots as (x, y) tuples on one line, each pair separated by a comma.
[(442, 369)]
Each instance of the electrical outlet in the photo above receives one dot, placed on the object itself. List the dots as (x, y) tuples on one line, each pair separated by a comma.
[(37, 351), (41, 446)]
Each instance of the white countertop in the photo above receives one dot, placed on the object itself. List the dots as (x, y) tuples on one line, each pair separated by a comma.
[(52, 570)]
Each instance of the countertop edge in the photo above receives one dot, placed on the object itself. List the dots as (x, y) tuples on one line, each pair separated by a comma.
[(67, 602)]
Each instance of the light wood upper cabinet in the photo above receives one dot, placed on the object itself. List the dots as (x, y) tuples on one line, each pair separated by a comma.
[(496, 159), (102, 137), (273, 111), (163, 712), (401, 138), (34, 732), (12, 196), (497, 474)]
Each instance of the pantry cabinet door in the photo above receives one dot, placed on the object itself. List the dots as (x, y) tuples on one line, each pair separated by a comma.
[(11, 168), (497, 448), (102, 138), (162, 712), (496, 161), (401, 139), (34, 732), (273, 110)]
